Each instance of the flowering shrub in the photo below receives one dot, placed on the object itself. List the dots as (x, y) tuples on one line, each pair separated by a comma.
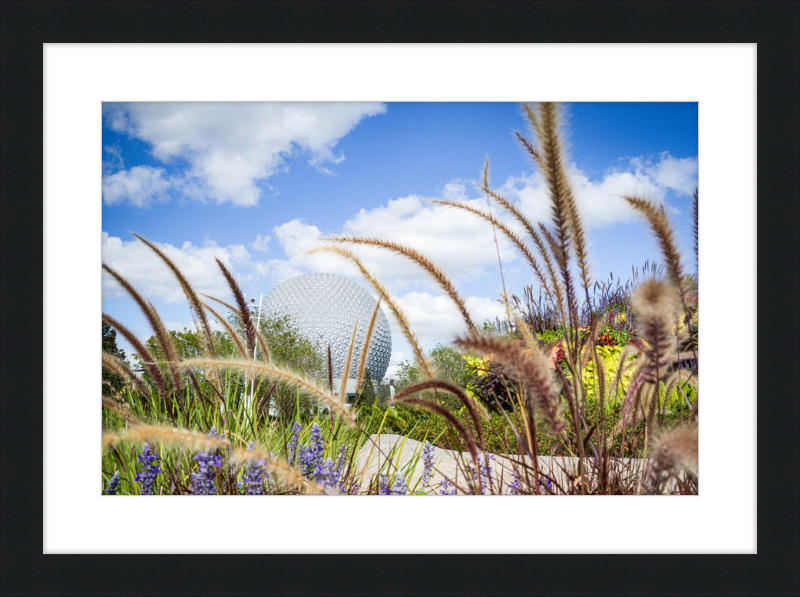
[(610, 356)]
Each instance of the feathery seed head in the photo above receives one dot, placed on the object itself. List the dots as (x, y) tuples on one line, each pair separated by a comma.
[(655, 300)]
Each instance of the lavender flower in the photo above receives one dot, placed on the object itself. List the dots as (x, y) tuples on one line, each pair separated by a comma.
[(311, 456), (383, 485), (254, 476), (326, 475), (515, 487), (546, 482), (329, 474), (150, 468), (427, 464), (113, 484), (446, 487), (204, 480), (292, 447), (399, 486), (484, 471), (340, 461)]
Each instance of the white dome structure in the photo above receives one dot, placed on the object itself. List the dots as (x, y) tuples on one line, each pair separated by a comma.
[(324, 308)]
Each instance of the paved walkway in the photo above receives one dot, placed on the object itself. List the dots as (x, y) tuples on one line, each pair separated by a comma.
[(451, 465)]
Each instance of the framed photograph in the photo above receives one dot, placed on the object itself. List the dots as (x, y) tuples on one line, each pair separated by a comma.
[(322, 230)]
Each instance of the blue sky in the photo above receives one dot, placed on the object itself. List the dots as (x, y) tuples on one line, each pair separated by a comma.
[(258, 184)]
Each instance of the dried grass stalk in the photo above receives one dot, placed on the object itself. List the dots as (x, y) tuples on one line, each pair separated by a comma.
[(558, 181), (362, 358), (348, 363), (656, 216), (530, 366), (240, 347), (537, 157), (387, 298), (696, 227), (194, 301), (194, 440), (437, 274), (119, 367), (225, 304), (526, 224), (655, 304), (275, 373), (443, 412), (474, 408), (121, 409), (673, 451), (147, 358), (154, 319), (243, 311), (510, 234)]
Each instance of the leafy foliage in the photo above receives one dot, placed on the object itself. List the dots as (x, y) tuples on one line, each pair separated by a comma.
[(111, 381)]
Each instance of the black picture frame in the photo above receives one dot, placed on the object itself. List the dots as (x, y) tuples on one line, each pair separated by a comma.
[(773, 25)]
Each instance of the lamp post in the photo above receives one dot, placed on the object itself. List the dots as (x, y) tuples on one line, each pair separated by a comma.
[(255, 344)]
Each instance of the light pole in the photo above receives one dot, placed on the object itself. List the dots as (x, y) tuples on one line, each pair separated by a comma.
[(255, 344)]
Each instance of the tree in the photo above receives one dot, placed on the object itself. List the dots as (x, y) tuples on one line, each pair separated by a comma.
[(447, 362), (407, 373), (367, 395), (110, 346), (289, 348), (450, 365)]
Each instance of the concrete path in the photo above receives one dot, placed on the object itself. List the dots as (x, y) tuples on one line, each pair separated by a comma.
[(451, 465)]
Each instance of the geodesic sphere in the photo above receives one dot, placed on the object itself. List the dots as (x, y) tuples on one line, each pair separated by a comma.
[(324, 308)]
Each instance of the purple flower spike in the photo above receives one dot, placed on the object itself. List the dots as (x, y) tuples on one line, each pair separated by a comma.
[(150, 468), (292, 447), (383, 485), (204, 480), (113, 484), (446, 487), (427, 464), (254, 476), (312, 456), (399, 486), (515, 487)]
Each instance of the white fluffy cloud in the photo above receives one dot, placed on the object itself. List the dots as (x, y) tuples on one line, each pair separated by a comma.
[(178, 326), (261, 243), (140, 186), (435, 318), (231, 147), (462, 244), (679, 174), (151, 276), (600, 201), (458, 242)]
